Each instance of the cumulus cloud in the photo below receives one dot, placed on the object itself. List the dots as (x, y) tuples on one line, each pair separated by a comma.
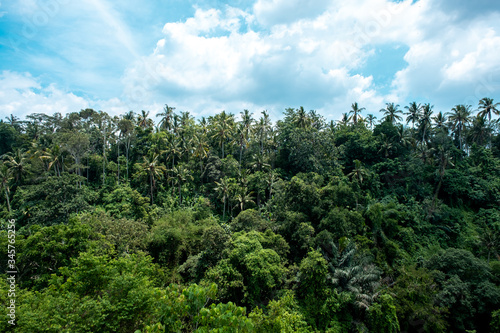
[(276, 54), (21, 94)]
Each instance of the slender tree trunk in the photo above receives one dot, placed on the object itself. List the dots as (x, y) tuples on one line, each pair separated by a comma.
[(241, 152), (104, 159), (180, 194), (151, 186), (224, 209), (7, 197), (118, 160)]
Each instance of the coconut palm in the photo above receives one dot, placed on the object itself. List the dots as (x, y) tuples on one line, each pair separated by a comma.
[(242, 198), (370, 119), (5, 177), (223, 189), (359, 171), (201, 149), (460, 118), (154, 169), (355, 112), (17, 163), (301, 120), (440, 122), (180, 175), (391, 113), (487, 107), (144, 120), (413, 113), (167, 116), (223, 128), (424, 122)]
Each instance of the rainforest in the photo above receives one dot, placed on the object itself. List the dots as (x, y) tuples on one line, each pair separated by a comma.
[(244, 223)]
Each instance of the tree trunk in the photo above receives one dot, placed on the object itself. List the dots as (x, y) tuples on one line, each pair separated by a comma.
[(180, 194), (118, 160), (8, 201)]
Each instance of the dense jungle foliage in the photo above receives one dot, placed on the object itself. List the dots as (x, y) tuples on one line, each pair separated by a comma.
[(238, 224)]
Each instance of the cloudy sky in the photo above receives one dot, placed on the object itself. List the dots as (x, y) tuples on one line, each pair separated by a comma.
[(208, 56)]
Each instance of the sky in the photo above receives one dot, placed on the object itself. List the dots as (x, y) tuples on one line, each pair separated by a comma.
[(208, 56)]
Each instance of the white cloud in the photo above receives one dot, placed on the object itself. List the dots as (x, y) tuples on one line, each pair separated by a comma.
[(21, 94)]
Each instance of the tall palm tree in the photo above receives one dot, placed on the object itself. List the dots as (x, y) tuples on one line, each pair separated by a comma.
[(17, 163), (344, 121), (355, 112), (444, 159), (243, 198), (391, 113), (241, 139), (487, 107), (180, 175), (167, 116), (424, 121), (223, 189), (5, 177), (359, 171), (54, 156), (144, 120), (154, 169), (479, 132), (259, 162), (440, 122), (200, 149), (413, 113), (460, 118), (224, 129), (301, 120), (370, 119)]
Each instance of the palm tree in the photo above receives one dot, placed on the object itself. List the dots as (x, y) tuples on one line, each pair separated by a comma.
[(53, 155), (180, 175), (425, 121), (479, 131), (486, 108), (200, 148), (460, 118), (241, 139), (5, 177), (439, 122), (354, 275), (126, 128), (259, 162), (358, 172), (444, 159), (17, 162), (344, 121), (223, 189), (154, 169), (300, 118), (224, 129), (355, 111), (144, 121), (243, 198), (167, 117), (370, 119), (391, 113), (386, 145), (413, 113)]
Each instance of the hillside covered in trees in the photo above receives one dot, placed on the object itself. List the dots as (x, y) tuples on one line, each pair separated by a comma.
[(238, 224)]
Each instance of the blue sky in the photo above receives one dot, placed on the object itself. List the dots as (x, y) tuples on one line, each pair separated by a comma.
[(208, 56)]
